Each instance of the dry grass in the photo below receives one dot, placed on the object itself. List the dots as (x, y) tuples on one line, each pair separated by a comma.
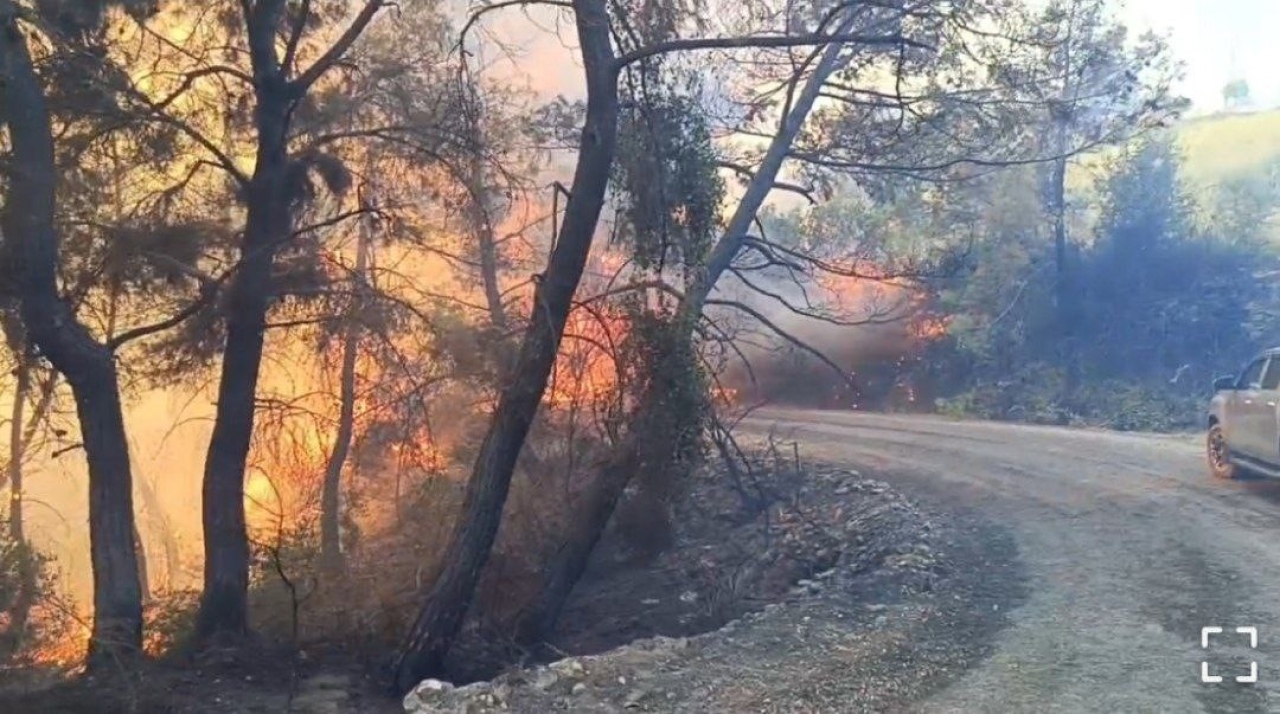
[(1224, 146)]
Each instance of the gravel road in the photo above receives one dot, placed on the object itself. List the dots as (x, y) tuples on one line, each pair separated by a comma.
[(1130, 549)]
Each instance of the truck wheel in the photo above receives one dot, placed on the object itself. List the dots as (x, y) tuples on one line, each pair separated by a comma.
[(1219, 454)]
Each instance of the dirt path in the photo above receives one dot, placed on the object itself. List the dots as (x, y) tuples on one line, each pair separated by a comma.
[(1129, 548)]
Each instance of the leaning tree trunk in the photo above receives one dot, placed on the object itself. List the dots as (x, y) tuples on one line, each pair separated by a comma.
[(331, 492), (569, 564), (88, 365), (224, 604), (440, 619)]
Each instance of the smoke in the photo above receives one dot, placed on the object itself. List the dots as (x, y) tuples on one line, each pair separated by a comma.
[(806, 339)]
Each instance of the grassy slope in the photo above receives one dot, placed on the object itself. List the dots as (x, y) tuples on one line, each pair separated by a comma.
[(1223, 146), (1215, 147)]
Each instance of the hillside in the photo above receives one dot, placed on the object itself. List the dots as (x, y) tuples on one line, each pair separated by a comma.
[(1215, 147), (1223, 146)]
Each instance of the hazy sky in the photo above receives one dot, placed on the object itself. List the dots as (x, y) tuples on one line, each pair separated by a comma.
[(1216, 39)]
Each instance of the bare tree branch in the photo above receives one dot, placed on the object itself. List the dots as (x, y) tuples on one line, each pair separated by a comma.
[(339, 48), (762, 41), (773, 327)]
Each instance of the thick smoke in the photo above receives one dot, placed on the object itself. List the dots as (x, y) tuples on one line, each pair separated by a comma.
[(825, 341)]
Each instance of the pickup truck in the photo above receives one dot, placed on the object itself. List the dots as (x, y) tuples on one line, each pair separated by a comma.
[(1244, 422)]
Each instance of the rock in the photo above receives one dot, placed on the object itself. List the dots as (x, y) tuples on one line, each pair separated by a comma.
[(881, 621), (633, 698), (545, 679), (426, 696), (570, 667), (578, 688), (435, 697), (502, 693)]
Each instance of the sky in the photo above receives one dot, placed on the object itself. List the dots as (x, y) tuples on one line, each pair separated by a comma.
[(1218, 40)]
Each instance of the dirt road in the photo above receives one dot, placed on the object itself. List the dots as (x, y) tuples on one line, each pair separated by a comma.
[(1130, 548)]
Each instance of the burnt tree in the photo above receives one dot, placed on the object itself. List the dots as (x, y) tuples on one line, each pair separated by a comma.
[(269, 195), (28, 220)]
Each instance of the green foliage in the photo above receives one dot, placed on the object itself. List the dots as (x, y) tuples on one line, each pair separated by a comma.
[(1166, 298), (1235, 93), (1161, 293), (25, 582), (668, 191), (1037, 394), (668, 185), (664, 373), (11, 554)]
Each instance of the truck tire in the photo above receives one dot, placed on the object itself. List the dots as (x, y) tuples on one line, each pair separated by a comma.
[(1219, 454)]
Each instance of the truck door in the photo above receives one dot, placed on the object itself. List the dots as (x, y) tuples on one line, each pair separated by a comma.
[(1266, 424), (1246, 415)]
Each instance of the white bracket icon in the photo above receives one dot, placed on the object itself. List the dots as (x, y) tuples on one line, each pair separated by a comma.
[(1250, 678)]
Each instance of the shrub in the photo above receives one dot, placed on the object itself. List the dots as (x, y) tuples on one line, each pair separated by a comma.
[(1037, 394)]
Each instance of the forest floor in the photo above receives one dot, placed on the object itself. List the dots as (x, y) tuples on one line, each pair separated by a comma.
[(837, 591), (913, 600), (1067, 570)]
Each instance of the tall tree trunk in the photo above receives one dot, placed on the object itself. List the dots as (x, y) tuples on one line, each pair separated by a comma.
[(1063, 288), (139, 547), (144, 577), (482, 226), (569, 564), (163, 528), (224, 606), (331, 559), (89, 367), (440, 619)]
